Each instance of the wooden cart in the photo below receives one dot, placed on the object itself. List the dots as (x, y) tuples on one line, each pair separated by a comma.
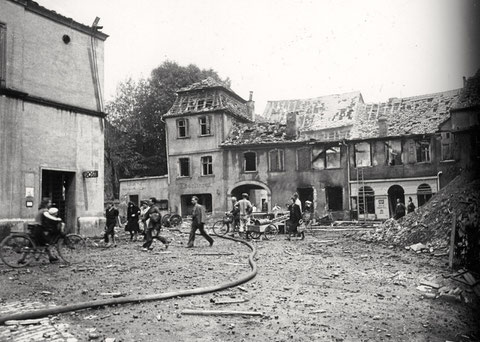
[(267, 228)]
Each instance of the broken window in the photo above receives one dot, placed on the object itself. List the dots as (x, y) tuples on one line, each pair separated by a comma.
[(366, 200), (276, 160), (3, 55), (334, 198), (207, 166), (424, 193), (333, 157), (182, 128), (393, 152), (209, 102), (447, 146), (249, 161), (304, 161), (205, 128), (422, 148), (200, 104), (363, 156), (184, 167), (191, 104)]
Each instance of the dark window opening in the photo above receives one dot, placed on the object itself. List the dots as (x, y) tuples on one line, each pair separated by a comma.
[(184, 165), (304, 159), (366, 200), (423, 150), (162, 204), (334, 198), (205, 125), (447, 146), (182, 128), (276, 160), (250, 161), (207, 166), (363, 155), (424, 193)]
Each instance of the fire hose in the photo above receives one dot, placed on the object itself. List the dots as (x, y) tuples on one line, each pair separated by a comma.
[(138, 299)]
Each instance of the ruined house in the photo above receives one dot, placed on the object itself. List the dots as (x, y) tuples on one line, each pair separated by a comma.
[(350, 158), (51, 116)]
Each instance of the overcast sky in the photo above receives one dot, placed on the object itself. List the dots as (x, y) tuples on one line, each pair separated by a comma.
[(292, 49)]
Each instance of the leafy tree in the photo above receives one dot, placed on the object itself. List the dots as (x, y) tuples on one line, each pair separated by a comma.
[(135, 141)]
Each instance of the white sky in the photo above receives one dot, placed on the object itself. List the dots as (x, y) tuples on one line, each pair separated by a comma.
[(292, 49)]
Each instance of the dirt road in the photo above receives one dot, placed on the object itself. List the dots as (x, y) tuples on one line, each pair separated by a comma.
[(327, 287)]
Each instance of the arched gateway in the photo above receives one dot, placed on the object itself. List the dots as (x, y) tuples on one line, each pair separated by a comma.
[(258, 192)]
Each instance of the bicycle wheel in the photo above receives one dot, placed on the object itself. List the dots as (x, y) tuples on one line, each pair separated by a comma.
[(270, 232), (71, 248), (166, 220), (175, 220), (220, 228), (255, 235), (17, 250)]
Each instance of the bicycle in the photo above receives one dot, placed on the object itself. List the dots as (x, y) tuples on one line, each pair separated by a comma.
[(19, 249), (222, 226)]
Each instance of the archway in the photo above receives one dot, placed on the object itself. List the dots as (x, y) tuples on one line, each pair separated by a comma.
[(395, 192), (259, 194), (424, 193)]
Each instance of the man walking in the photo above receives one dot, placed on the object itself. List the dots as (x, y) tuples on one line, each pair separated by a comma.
[(198, 222), (153, 222)]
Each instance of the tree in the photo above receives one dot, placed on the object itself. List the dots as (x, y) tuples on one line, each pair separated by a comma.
[(137, 147)]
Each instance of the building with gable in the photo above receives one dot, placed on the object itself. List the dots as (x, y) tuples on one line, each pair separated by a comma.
[(350, 158), (51, 116)]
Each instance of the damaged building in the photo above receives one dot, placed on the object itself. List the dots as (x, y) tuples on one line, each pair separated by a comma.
[(51, 117), (352, 159)]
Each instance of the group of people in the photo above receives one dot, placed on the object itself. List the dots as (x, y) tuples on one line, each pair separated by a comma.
[(147, 220), (400, 208), (241, 211), (297, 216)]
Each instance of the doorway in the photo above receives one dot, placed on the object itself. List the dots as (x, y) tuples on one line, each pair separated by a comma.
[(395, 192), (257, 195), (305, 194), (334, 198), (59, 186)]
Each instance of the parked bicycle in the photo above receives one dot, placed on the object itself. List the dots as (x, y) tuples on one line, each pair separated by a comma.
[(227, 225), (20, 249)]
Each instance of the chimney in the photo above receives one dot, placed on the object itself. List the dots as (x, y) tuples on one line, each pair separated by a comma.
[(251, 107), (292, 129), (382, 126)]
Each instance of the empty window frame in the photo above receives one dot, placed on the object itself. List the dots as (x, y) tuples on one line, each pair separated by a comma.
[(422, 148), (334, 198), (333, 157), (276, 160), (205, 125), (207, 165), (3, 55), (200, 104), (366, 200), (304, 159), (393, 152), (363, 154), (184, 167), (249, 162), (182, 128), (447, 146)]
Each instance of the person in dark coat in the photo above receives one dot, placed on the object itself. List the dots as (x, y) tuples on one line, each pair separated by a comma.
[(410, 206), (399, 210), (112, 218), (133, 213), (153, 224), (198, 222), (295, 216)]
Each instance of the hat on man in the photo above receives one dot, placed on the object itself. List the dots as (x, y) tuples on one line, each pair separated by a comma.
[(244, 195)]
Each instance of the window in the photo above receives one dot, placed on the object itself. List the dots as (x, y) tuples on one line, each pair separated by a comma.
[(162, 204), (393, 152), (200, 104), (334, 198), (204, 122), (363, 155), (249, 161), (3, 55), (447, 146), (207, 166), (304, 160), (184, 167), (366, 200), (276, 160), (182, 128), (422, 148), (424, 193), (333, 157), (191, 105)]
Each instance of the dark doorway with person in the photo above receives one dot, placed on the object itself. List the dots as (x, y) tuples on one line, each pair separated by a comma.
[(59, 186), (305, 194), (395, 192)]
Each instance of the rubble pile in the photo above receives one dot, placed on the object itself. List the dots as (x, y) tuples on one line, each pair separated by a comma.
[(431, 224)]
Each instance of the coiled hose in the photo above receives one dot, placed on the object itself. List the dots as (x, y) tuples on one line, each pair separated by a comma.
[(138, 299)]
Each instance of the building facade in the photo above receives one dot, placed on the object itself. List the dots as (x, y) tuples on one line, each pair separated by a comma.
[(352, 159), (51, 116)]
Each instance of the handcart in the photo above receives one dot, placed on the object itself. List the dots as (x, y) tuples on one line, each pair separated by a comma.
[(266, 227)]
